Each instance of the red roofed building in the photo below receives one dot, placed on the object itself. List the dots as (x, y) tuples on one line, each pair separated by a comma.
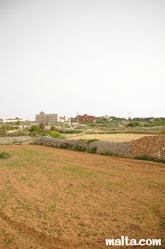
[(85, 118)]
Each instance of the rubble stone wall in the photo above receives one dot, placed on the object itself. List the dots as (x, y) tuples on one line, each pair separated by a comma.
[(150, 146), (13, 140)]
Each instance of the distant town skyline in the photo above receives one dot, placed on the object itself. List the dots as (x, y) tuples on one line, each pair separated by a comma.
[(87, 57), (79, 114)]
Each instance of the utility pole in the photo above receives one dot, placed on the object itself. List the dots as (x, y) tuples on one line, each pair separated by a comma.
[(129, 115)]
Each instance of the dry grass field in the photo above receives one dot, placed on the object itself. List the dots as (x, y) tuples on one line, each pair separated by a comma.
[(110, 137), (56, 199)]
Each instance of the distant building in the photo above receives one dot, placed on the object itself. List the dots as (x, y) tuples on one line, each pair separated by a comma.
[(85, 118), (13, 120), (47, 119), (64, 120)]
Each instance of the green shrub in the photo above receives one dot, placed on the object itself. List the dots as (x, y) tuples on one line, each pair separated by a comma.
[(66, 146), (35, 128), (55, 134), (92, 150), (155, 123), (138, 123), (75, 131), (5, 155), (131, 125), (79, 148)]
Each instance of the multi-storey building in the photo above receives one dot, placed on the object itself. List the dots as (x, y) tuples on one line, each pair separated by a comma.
[(47, 119), (86, 118)]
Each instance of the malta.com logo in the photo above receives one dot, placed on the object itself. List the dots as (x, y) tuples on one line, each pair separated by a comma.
[(125, 241)]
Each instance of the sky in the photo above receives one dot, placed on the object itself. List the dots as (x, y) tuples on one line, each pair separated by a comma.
[(96, 57)]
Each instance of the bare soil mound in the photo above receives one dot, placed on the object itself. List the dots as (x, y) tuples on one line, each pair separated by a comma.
[(150, 146)]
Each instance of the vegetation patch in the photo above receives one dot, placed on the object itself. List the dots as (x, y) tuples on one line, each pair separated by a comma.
[(106, 153), (36, 130), (66, 146), (81, 172), (88, 141), (55, 134), (162, 132), (79, 148), (5, 155), (149, 159), (92, 150)]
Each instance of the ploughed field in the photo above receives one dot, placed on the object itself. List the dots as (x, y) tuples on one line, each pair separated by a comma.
[(55, 198)]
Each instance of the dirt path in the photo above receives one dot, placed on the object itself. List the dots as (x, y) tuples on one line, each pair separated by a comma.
[(56, 199)]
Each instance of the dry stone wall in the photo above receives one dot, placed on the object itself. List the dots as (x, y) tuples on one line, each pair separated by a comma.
[(112, 148), (150, 146), (15, 140), (122, 149)]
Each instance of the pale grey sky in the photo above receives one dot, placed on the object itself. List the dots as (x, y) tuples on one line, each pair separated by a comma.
[(87, 56)]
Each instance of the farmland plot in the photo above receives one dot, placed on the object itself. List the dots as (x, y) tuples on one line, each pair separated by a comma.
[(54, 198), (109, 137)]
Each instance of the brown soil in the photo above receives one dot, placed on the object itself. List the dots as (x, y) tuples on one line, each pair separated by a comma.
[(56, 199)]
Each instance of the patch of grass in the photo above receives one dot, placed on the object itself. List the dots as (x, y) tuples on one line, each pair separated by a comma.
[(79, 171), (149, 159), (31, 152), (154, 184), (17, 164), (23, 178), (4, 155), (26, 204), (112, 185), (55, 134), (139, 218), (154, 208), (52, 208), (106, 153)]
